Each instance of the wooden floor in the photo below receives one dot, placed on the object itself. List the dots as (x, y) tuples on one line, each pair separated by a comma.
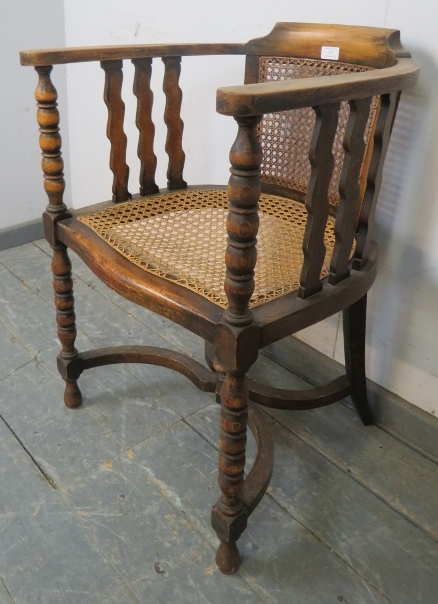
[(110, 503)]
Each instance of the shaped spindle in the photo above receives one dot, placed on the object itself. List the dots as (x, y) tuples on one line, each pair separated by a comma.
[(317, 202), (382, 133), (116, 114), (174, 123), (145, 125), (349, 188)]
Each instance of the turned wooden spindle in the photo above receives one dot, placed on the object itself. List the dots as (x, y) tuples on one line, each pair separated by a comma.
[(242, 222), (145, 125), (116, 113), (53, 165), (229, 515), (174, 123)]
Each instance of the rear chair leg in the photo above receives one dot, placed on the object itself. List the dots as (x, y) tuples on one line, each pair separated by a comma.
[(65, 318), (354, 322)]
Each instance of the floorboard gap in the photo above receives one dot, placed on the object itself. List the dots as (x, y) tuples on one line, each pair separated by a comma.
[(52, 482)]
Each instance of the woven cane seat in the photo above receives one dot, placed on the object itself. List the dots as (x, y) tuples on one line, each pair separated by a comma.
[(285, 136), (181, 236)]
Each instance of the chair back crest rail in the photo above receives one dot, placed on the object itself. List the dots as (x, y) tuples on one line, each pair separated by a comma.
[(347, 122)]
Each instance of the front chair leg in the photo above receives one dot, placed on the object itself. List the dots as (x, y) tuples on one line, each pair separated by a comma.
[(66, 320), (229, 515), (354, 323)]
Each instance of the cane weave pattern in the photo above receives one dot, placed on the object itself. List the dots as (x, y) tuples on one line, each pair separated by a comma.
[(181, 237), (285, 136)]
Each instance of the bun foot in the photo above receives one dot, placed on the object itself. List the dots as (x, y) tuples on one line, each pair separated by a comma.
[(228, 558), (72, 394)]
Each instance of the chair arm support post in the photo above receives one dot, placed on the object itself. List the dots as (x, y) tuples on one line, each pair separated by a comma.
[(244, 189), (50, 143)]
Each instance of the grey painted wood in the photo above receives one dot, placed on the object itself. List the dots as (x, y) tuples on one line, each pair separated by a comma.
[(408, 423), (135, 471), (399, 475), (46, 556), (396, 558), (21, 233), (163, 488)]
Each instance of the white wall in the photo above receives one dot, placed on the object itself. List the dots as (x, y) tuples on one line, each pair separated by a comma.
[(403, 319), (24, 24)]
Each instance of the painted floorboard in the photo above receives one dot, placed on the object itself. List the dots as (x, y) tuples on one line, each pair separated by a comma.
[(350, 515)]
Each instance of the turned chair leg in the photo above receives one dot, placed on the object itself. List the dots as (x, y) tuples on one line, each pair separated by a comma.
[(229, 515), (354, 322), (65, 318)]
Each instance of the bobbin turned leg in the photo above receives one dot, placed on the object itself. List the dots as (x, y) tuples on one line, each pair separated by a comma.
[(229, 515), (66, 320), (54, 185), (354, 322), (237, 339)]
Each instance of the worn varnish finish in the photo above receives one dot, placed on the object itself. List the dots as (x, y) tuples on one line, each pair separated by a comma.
[(145, 125), (116, 114), (317, 203), (174, 123), (54, 185), (235, 335)]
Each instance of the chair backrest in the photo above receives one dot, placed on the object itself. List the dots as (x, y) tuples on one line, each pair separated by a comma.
[(303, 51), (330, 156)]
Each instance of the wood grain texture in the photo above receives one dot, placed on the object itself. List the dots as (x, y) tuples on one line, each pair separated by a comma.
[(244, 189), (145, 125), (65, 319), (286, 315), (229, 516), (168, 299), (349, 189), (50, 140), (116, 114), (174, 123), (372, 46), (54, 56), (149, 355), (268, 97), (317, 202)]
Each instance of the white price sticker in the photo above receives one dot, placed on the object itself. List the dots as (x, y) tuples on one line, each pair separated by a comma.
[(330, 52)]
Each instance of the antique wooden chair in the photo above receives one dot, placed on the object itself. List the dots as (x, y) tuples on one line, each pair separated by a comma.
[(306, 169)]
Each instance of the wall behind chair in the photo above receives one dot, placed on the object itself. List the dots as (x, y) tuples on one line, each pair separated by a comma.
[(403, 319), (25, 24)]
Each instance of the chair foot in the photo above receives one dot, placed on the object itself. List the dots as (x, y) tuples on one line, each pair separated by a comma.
[(359, 397), (72, 394), (228, 558)]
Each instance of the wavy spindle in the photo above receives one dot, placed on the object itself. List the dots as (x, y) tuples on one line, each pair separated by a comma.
[(382, 133), (116, 112), (145, 125), (53, 165), (317, 203), (349, 188), (174, 123)]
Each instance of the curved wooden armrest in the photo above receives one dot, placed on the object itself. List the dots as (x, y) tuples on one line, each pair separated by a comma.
[(55, 56), (269, 97)]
